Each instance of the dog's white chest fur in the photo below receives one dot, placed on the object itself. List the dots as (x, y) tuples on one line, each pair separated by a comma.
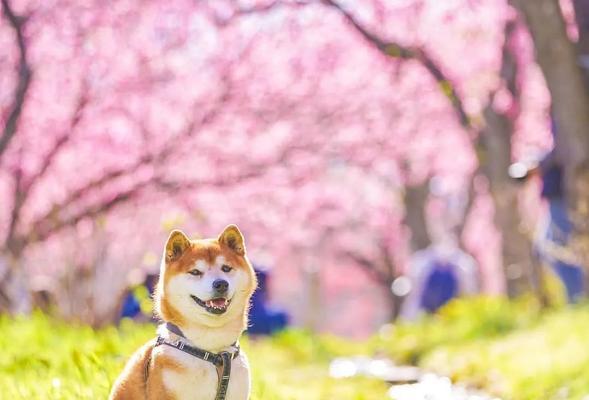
[(198, 380)]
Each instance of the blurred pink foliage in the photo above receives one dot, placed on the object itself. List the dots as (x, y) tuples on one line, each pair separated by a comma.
[(277, 116)]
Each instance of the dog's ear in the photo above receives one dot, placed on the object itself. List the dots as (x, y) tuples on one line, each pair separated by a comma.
[(232, 238), (176, 245)]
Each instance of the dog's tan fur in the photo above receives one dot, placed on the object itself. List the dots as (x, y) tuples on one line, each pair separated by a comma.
[(165, 372)]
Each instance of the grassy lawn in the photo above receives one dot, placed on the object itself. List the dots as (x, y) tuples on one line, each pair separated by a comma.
[(509, 349), (45, 359)]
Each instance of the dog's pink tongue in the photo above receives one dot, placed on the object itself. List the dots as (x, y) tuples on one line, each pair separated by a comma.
[(219, 302)]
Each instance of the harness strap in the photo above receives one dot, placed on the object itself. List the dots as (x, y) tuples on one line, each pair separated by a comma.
[(221, 361), (174, 329), (214, 358), (225, 374)]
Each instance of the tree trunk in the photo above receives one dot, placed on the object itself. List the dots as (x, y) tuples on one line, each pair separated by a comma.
[(415, 200), (521, 269), (582, 19), (313, 295), (564, 78), (558, 60), (394, 302), (14, 289)]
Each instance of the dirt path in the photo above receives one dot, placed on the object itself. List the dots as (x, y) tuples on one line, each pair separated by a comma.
[(407, 383), (433, 387)]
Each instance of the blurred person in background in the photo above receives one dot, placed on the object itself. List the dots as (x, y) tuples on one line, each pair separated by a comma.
[(137, 299), (265, 319), (439, 273), (554, 231)]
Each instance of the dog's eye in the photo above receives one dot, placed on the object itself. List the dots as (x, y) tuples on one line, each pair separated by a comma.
[(226, 268), (195, 272)]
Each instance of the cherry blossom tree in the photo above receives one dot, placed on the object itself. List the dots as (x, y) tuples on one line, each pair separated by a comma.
[(492, 125), (317, 126), (99, 126)]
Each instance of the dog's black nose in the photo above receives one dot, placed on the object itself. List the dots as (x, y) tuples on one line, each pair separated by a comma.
[(220, 286)]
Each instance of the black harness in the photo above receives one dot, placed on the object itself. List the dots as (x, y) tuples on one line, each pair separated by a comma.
[(221, 361)]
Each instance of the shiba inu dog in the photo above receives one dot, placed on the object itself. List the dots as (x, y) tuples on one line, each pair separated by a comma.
[(203, 298)]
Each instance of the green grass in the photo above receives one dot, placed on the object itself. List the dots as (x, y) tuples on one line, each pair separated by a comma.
[(42, 358), (459, 322), (509, 349)]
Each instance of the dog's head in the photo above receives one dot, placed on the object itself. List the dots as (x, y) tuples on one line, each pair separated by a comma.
[(207, 282)]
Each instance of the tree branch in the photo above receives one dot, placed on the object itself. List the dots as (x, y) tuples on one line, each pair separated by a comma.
[(81, 192), (240, 11), (62, 140), (46, 225), (368, 266), (49, 227), (10, 241), (396, 50), (24, 78)]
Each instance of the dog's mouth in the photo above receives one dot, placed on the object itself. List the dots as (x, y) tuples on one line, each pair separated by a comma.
[(215, 306)]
